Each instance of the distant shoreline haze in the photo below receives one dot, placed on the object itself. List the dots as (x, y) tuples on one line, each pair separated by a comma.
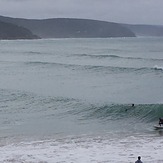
[(18, 28)]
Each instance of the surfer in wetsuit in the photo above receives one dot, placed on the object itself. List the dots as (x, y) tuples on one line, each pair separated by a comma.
[(139, 160), (160, 121), (133, 105)]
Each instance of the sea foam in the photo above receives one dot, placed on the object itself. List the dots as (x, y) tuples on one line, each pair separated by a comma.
[(158, 67), (85, 149)]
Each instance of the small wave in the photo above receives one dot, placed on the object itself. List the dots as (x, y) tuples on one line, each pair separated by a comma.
[(97, 56), (37, 63), (34, 52), (105, 56), (109, 68), (101, 56), (109, 56), (141, 58), (94, 68), (114, 69), (40, 63), (158, 67)]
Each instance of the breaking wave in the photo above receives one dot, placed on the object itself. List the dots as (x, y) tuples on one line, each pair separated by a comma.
[(158, 67), (140, 112)]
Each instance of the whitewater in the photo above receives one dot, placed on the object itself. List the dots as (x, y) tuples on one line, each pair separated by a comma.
[(70, 100)]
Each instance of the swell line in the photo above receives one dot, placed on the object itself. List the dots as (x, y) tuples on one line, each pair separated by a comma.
[(112, 56), (96, 68)]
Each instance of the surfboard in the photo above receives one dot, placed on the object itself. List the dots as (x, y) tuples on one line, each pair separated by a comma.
[(158, 127)]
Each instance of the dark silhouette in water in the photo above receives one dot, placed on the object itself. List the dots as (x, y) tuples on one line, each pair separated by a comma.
[(160, 121), (139, 160), (131, 105)]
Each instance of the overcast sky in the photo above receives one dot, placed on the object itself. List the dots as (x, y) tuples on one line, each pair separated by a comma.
[(122, 11)]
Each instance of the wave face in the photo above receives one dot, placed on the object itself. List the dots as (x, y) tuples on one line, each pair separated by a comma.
[(141, 112), (30, 114)]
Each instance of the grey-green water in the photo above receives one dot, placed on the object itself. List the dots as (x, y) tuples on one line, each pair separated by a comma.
[(74, 87)]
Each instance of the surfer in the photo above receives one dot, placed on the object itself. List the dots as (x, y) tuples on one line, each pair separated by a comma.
[(160, 121), (139, 160), (133, 105)]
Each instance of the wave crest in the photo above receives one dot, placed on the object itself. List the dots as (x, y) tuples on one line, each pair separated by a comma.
[(158, 67)]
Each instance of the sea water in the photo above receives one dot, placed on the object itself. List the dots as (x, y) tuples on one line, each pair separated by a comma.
[(70, 100)]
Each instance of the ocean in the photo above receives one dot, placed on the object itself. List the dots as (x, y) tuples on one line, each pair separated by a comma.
[(70, 100)]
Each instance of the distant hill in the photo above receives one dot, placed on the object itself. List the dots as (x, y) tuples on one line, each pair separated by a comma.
[(146, 30), (71, 28), (11, 31)]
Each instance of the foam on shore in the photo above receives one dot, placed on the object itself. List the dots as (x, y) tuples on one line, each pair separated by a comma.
[(85, 149)]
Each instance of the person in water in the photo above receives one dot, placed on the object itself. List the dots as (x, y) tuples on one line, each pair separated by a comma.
[(160, 121), (133, 105), (139, 160)]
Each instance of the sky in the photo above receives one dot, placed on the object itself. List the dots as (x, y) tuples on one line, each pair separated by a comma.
[(120, 11)]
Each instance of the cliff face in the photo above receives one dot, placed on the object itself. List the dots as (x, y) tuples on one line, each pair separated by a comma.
[(71, 28), (11, 31)]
